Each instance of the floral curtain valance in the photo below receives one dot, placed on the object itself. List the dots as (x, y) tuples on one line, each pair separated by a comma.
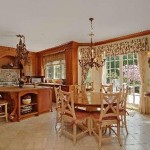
[(124, 47), (118, 48), (54, 57)]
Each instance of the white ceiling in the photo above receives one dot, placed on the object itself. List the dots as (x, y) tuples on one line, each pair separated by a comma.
[(49, 23)]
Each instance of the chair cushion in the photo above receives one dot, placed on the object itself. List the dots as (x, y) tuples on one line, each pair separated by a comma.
[(80, 114), (96, 115)]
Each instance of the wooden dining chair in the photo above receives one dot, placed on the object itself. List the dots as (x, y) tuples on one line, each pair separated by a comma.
[(58, 105), (107, 117), (89, 86), (122, 107), (74, 119), (78, 90), (105, 88)]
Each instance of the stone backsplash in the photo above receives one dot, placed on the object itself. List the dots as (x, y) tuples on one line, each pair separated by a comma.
[(8, 76)]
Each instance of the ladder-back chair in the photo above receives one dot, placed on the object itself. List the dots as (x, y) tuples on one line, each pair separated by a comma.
[(75, 119), (107, 117), (122, 107), (58, 105), (3, 109), (106, 88)]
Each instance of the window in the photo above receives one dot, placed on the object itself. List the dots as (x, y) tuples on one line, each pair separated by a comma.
[(89, 76), (55, 70), (112, 68)]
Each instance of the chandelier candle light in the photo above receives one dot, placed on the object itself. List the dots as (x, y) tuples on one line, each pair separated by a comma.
[(91, 57)]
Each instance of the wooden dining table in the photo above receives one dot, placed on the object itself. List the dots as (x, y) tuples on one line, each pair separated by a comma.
[(88, 101)]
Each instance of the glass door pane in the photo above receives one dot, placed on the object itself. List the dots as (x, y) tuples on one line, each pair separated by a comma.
[(113, 71), (131, 77)]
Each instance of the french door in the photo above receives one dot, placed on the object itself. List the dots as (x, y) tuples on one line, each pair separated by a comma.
[(123, 69)]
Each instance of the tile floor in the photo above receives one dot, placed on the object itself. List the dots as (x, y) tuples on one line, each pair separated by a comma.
[(38, 133)]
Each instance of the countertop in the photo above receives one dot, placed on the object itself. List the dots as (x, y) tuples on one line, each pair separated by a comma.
[(24, 88)]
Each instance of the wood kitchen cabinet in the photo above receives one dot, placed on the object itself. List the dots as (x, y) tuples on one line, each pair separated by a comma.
[(45, 100), (41, 101), (52, 86)]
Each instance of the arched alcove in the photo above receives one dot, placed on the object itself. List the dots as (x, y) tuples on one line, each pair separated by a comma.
[(6, 60)]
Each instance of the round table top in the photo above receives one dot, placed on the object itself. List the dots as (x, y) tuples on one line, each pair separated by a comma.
[(88, 99)]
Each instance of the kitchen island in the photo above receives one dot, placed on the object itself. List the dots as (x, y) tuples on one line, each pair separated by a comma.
[(40, 100)]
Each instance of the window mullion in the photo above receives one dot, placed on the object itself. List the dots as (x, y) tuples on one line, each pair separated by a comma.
[(121, 70)]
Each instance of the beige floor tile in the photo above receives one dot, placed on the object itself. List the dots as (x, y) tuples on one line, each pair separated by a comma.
[(134, 147), (38, 133)]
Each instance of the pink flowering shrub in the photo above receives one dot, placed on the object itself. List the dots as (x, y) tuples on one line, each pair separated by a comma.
[(131, 72)]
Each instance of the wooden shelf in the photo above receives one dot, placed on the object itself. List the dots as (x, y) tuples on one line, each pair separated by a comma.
[(31, 104), (28, 110)]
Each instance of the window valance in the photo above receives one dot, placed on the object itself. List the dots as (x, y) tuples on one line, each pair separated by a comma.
[(125, 47), (54, 57), (118, 48)]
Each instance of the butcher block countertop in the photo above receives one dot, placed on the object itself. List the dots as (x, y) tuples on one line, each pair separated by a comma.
[(24, 88)]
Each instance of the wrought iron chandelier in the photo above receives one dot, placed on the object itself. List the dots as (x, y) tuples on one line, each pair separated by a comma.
[(22, 54), (91, 58)]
